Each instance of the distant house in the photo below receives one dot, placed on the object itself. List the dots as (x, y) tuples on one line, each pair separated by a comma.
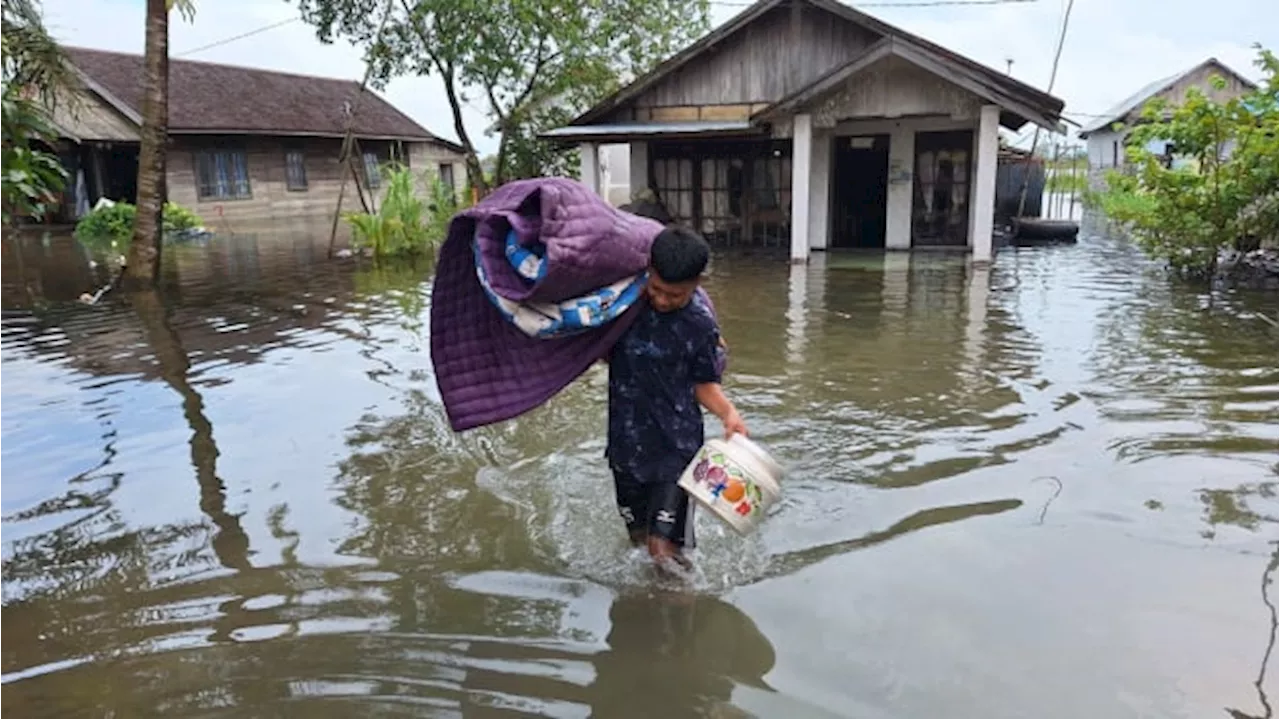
[(247, 146), (808, 125), (1105, 142)]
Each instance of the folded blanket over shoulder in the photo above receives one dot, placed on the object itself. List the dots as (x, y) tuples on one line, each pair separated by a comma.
[(557, 319), (488, 369)]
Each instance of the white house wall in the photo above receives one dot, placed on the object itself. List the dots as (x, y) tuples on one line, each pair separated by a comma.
[(1103, 148), (820, 193), (615, 173)]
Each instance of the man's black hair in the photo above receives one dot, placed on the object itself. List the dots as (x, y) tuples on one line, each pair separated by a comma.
[(679, 255)]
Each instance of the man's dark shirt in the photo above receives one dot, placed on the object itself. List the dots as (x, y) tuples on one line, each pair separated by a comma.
[(655, 422)]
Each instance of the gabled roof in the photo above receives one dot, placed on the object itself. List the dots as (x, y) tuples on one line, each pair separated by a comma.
[(1135, 101), (1045, 105), (207, 98), (1026, 106)]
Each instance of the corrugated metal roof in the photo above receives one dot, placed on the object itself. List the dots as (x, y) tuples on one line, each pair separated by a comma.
[(1122, 108), (651, 128), (1139, 98)]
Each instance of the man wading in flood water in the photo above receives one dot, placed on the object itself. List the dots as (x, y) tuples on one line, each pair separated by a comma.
[(662, 371)]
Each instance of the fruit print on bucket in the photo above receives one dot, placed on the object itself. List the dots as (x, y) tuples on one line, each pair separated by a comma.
[(727, 482)]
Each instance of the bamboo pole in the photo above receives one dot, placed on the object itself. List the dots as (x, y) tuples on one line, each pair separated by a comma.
[(1056, 197), (1053, 76), (348, 138), (1071, 209)]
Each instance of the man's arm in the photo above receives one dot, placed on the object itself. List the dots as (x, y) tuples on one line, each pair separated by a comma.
[(711, 396)]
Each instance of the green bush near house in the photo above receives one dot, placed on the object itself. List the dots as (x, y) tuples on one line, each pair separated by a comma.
[(405, 224), (111, 226), (1221, 195)]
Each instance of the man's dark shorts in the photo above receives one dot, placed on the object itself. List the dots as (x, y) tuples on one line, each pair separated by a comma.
[(655, 507)]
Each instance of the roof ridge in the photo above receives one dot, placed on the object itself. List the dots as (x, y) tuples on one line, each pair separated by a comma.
[(314, 98), (250, 68)]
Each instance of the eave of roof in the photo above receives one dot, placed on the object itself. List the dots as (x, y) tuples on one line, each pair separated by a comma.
[(624, 131), (1020, 92)]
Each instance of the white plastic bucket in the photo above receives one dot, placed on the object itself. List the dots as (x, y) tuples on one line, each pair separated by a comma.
[(737, 480)]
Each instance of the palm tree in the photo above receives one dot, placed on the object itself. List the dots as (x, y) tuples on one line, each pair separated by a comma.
[(143, 264), (32, 59), (35, 75)]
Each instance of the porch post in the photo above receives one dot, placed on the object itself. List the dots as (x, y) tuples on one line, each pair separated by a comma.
[(639, 178), (801, 164), (982, 214), (589, 171)]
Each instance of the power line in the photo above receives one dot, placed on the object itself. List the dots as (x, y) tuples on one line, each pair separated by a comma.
[(233, 38), (727, 3), (1053, 76)]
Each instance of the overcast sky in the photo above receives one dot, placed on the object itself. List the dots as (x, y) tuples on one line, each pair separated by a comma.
[(1113, 47)]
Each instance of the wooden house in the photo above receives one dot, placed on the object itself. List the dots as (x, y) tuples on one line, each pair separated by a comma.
[(1105, 135), (247, 146), (808, 125)]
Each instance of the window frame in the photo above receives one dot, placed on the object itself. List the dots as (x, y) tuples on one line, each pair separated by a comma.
[(290, 181), (229, 189), (372, 174)]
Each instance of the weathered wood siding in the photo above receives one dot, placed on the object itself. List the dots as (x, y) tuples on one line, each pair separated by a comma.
[(895, 88), (85, 116), (425, 159), (271, 201), (781, 52)]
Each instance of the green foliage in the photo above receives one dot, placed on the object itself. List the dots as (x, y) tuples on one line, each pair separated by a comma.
[(1219, 191), (32, 177), (532, 62), (1063, 181), (110, 227), (405, 223), (178, 218), (32, 60)]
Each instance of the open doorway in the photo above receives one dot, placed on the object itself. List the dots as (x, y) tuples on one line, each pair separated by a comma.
[(859, 191), (111, 171)]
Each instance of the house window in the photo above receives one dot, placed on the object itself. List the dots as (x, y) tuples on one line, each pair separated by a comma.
[(446, 176), (295, 171), (1115, 153), (372, 173), (222, 175), (732, 193)]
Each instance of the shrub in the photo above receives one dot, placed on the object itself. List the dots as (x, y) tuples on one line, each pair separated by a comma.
[(1219, 192), (405, 224), (111, 226)]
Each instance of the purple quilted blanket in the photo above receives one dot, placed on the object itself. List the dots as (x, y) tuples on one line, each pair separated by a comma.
[(487, 369)]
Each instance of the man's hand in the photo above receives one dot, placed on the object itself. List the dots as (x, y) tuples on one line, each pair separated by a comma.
[(711, 396), (733, 424)]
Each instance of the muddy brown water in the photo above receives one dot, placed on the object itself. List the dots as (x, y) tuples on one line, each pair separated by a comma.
[(1042, 489)]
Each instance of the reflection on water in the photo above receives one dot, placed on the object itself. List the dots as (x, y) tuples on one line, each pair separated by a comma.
[(240, 496)]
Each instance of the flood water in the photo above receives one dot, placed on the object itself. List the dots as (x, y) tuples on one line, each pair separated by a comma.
[(1041, 489)]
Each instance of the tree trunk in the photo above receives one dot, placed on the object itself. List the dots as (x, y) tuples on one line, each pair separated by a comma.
[(144, 253), (230, 542), (475, 173)]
